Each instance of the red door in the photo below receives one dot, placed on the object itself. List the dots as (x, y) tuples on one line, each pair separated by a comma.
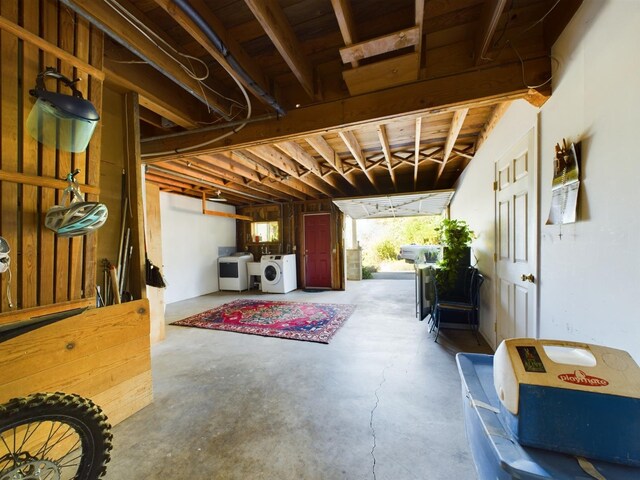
[(317, 243)]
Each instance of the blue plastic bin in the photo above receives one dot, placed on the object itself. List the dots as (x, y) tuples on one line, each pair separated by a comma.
[(497, 455)]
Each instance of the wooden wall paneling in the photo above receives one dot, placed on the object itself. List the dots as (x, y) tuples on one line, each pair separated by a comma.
[(30, 216), (63, 267), (48, 168), (96, 51), (9, 147), (137, 285), (79, 161), (153, 241), (103, 354)]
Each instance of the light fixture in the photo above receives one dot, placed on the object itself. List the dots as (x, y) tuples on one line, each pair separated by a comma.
[(65, 122)]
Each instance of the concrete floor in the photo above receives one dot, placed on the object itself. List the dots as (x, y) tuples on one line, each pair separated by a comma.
[(381, 401)]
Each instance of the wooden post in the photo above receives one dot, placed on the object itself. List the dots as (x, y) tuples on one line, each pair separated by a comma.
[(133, 164)]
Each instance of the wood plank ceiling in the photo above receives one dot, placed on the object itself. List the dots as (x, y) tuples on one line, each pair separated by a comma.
[(336, 98)]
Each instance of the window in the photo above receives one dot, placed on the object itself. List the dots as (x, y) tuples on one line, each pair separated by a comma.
[(264, 231)]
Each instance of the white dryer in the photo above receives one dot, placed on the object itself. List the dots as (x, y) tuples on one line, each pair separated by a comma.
[(278, 273)]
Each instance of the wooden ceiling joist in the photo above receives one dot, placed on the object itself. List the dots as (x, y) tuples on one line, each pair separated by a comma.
[(248, 64), (476, 88), (384, 143), (250, 179), (452, 137), (419, 19), (353, 145), (342, 9), (115, 25), (320, 145), (416, 151), (284, 163), (300, 155), (407, 37), (248, 159), (491, 13), (158, 95), (210, 181), (277, 27)]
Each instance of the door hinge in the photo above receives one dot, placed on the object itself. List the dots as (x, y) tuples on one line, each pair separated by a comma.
[(495, 186), (495, 327), (495, 257)]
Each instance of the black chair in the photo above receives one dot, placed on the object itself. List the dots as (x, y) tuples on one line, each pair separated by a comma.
[(464, 299)]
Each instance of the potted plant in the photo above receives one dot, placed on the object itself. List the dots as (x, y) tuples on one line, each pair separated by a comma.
[(455, 237)]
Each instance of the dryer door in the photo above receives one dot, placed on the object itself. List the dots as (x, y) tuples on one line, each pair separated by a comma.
[(271, 273)]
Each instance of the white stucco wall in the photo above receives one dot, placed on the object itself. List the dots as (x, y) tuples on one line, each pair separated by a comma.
[(588, 279), (190, 242)]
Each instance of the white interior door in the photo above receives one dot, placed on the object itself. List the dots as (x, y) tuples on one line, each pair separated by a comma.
[(516, 241)]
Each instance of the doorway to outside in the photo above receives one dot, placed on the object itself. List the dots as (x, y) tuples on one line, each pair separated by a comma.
[(381, 240)]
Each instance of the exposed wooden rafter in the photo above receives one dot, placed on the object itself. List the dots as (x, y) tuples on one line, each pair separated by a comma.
[(342, 9), (452, 137), (491, 12), (286, 164), (158, 95), (384, 143), (419, 18), (469, 89), (99, 12), (407, 37), (416, 151), (353, 145), (275, 24), (247, 63), (320, 145)]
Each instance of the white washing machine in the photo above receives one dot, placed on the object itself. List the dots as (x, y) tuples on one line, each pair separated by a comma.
[(278, 273)]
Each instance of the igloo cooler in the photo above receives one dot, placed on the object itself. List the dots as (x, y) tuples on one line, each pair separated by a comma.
[(570, 397), (496, 453)]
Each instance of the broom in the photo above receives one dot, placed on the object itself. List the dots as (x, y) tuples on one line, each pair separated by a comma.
[(153, 275)]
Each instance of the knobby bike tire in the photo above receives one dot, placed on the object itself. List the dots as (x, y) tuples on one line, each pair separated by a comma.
[(80, 414)]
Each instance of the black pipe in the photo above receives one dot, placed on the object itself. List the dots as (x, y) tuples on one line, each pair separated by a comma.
[(224, 51)]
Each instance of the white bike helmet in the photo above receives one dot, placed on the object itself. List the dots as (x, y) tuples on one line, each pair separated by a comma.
[(5, 261), (77, 217)]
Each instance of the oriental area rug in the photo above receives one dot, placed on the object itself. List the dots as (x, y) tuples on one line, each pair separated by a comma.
[(310, 322)]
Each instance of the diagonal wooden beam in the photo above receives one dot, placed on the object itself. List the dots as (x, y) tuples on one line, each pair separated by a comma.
[(284, 163), (117, 27), (320, 145), (353, 145), (491, 12), (416, 152), (342, 9), (454, 131), (199, 165), (477, 88), (498, 111), (384, 143), (297, 153), (207, 180), (262, 167), (275, 24), (246, 62)]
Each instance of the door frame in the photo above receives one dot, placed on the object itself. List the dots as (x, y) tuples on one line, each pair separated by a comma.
[(304, 247), (534, 195)]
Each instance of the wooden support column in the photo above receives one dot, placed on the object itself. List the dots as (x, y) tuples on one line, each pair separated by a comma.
[(133, 165)]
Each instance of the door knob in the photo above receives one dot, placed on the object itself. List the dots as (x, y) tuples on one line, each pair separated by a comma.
[(528, 278)]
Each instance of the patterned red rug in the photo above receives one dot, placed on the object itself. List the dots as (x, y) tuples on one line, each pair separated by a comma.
[(311, 322)]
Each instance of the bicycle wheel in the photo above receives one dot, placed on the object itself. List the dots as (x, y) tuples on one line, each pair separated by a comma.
[(53, 436)]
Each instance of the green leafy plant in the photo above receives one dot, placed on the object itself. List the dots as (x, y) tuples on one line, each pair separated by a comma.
[(368, 271), (455, 236)]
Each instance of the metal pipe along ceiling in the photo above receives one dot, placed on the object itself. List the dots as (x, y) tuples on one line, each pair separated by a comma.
[(224, 51)]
